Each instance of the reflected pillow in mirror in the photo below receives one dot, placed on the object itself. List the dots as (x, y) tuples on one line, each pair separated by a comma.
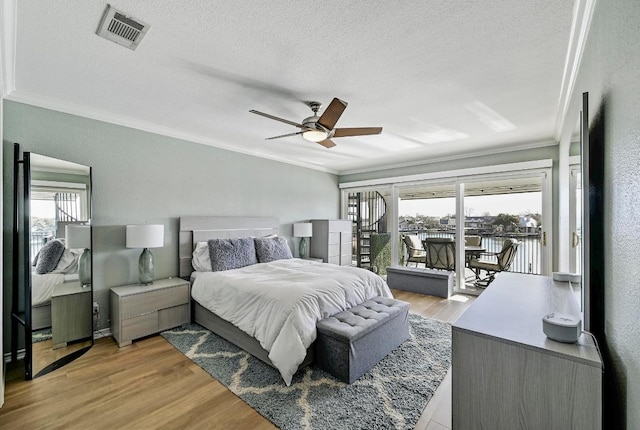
[(49, 256), (272, 248), (68, 262), (200, 259), (227, 254)]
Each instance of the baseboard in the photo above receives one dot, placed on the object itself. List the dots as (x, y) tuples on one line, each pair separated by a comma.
[(98, 334), (7, 356)]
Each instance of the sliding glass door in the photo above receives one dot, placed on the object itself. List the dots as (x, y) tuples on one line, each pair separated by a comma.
[(477, 213), (498, 213)]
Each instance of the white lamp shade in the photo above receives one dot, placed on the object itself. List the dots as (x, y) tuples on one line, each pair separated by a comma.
[(302, 229), (77, 236), (145, 236)]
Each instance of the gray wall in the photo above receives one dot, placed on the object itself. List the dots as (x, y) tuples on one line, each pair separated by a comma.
[(610, 72), (140, 177)]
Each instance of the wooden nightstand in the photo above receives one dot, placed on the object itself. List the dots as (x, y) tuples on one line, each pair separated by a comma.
[(141, 310), (70, 313)]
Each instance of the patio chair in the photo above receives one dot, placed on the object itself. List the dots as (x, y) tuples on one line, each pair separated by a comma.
[(441, 253), (414, 249), (472, 241), (498, 262)]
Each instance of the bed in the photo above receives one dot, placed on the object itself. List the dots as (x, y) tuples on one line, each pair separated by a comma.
[(44, 284), (296, 293)]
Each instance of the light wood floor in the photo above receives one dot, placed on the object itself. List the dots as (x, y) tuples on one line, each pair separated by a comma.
[(150, 384)]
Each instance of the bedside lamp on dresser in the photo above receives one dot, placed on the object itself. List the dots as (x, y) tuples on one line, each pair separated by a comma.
[(303, 230), (145, 236)]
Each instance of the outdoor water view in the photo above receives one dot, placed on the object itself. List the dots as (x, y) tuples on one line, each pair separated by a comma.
[(493, 217)]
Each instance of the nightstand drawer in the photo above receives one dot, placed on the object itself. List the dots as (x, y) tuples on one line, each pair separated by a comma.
[(138, 304), (173, 317), (139, 326)]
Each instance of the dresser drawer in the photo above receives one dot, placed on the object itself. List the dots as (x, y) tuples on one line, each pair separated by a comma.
[(138, 304), (139, 326), (173, 317), (142, 310), (334, 239), (333, 250)]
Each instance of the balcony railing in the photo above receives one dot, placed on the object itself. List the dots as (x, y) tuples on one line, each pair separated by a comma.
[(38, 239), (527, 258)]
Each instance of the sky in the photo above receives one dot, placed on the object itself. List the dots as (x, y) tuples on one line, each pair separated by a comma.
[(43, 209), (513, 204)]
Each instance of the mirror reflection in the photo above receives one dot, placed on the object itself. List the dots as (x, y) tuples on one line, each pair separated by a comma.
[(60, 258), (575, 210)]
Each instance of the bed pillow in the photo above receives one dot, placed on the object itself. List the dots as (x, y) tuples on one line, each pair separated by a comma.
[(272, 248), (200, 259), (227, 254), (68, 262), (49, 256)]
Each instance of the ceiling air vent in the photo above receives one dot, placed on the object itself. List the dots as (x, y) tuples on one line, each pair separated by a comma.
[(121, 29)]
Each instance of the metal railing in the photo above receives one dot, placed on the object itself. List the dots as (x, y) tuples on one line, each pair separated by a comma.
[(528, 256), (38, 240)]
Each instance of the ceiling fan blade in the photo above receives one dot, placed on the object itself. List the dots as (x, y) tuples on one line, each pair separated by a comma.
[(284, 135), (327, 143), (361, 131), (332, 113), (286, 121)]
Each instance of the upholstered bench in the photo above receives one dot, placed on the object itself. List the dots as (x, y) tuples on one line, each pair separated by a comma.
[(418, 280), (350, 343)]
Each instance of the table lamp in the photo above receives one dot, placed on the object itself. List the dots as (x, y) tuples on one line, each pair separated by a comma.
[(145, 236), (78, 236), (303, 230)]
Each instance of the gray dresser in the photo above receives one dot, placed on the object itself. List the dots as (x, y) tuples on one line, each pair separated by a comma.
[(507, 374), (142, 310), (331, 241)]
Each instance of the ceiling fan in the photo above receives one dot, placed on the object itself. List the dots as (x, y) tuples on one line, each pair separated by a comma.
[(321, 129)]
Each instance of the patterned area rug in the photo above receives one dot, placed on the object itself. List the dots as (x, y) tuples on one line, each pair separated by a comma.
[(41, 335), (392, 395)]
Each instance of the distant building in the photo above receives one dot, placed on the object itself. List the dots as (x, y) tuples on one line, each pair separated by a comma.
[(479, 223), (410, 225), (528, 224), (448, 223)]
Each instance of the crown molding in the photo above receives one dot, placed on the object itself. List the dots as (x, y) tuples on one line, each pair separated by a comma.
[(7, 46), (493, 151), (541, 166), (580, 25), (109, 117)]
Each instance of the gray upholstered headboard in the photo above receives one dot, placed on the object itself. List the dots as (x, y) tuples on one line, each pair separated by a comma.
[(195, 229)]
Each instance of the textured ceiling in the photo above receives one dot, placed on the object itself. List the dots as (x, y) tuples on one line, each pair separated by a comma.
[(444, 78)]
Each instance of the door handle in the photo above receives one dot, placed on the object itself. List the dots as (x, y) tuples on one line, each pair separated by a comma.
[(575, 240)]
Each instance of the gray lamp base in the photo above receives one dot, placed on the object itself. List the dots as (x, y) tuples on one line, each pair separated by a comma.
[(84, 267), (303, 248), (146, 268)]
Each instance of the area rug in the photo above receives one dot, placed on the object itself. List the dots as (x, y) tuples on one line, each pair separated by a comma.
[(41, 335), (392, 395)]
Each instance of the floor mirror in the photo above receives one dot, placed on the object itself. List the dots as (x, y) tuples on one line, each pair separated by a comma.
[(52, 292)]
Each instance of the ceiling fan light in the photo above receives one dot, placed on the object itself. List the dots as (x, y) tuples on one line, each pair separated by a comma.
[(314, 135)]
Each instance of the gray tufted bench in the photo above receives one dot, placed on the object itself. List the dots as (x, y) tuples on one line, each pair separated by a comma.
[(351, 342)]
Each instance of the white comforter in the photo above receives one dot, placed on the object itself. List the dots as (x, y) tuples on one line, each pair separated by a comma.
[(42, 287), (279, 303)]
